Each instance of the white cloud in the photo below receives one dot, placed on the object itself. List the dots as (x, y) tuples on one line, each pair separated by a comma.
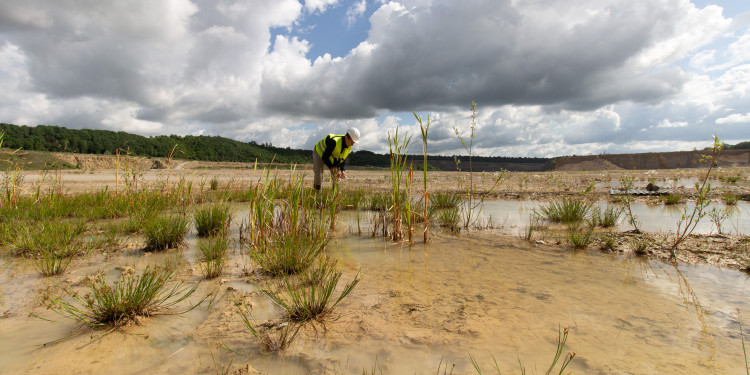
[(734, 119), (549, 77), (355, 11), (666, 123), (319, 5)]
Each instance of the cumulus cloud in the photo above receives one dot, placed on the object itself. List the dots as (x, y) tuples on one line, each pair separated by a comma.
[(734, 119), (549, 77)]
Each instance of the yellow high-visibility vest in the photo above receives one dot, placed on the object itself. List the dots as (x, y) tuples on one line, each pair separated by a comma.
[(339, 153)]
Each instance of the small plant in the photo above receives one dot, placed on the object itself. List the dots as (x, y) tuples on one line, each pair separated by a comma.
[(441, 200), (562, 338), (214, 251), (670, 199), (213, 184), (718, 215), (730, 199), (580, 238), (640, 245), (378, 202), (687, 223), (51, 246), (536, 223), (608, 241), (450, 218), (123, 301), (610, 217), (289, 253), (212, 220), (165, 232), (274, 337), (472, 206), (312, 298), (569, 211), (626, 185)]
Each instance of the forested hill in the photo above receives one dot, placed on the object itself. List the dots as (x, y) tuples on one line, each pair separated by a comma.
[(106, 142), (208, 148)]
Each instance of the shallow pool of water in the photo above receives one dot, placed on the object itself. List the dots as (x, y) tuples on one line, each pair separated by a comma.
[(514, 216), (482, 294)]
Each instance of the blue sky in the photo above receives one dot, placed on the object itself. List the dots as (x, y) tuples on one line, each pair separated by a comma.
[(549, 78)]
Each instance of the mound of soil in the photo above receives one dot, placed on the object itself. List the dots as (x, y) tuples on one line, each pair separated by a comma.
[(589, 165)]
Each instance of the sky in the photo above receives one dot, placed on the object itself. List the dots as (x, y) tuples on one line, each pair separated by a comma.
[(549, 78)]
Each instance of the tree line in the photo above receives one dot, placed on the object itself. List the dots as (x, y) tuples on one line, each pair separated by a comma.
[(204, 148)]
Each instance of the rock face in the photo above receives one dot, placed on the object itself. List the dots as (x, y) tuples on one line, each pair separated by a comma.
[(659, 160)]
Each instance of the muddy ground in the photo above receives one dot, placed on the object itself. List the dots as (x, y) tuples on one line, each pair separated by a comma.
[(594, 180), (415, 316)]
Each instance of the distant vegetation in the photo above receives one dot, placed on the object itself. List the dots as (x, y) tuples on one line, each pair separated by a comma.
[(740, 146), (105, 142), (204, 148)]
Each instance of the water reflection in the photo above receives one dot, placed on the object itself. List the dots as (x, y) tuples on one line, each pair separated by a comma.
[(513, 216)]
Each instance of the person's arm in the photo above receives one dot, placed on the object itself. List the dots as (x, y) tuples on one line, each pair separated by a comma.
[(330, 146), (342, 166)]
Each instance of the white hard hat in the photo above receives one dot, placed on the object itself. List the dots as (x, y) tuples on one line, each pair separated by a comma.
[(353, 134)]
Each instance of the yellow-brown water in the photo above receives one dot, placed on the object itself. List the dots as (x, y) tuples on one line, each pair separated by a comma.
[(484, 294)]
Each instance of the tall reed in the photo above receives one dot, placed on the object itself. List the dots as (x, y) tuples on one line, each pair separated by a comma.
[(398, 146), (426, 198), (285, 235)]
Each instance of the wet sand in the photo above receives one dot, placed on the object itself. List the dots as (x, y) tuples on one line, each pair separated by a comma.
[(484, 293)]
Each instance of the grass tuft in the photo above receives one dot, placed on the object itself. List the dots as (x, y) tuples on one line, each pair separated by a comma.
[(569, 211), (165, 232), (212, 220), (120, 302), (313, 296), (214, 251)]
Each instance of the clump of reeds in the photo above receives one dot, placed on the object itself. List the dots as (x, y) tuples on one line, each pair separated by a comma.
[(670, 199), (442, 200), (730, 199), (608, 241), (450, 218), (214, 184), (609, 217), (640, 245), (568, 211), (284, 235), (125, 300), (51, 245), (214, 251), (580, 237), (165, 232), (312, 297), (378, 202), (400, 200), (212, 220)]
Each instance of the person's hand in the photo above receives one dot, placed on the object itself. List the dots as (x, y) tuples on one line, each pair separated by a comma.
[(342, 175)]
